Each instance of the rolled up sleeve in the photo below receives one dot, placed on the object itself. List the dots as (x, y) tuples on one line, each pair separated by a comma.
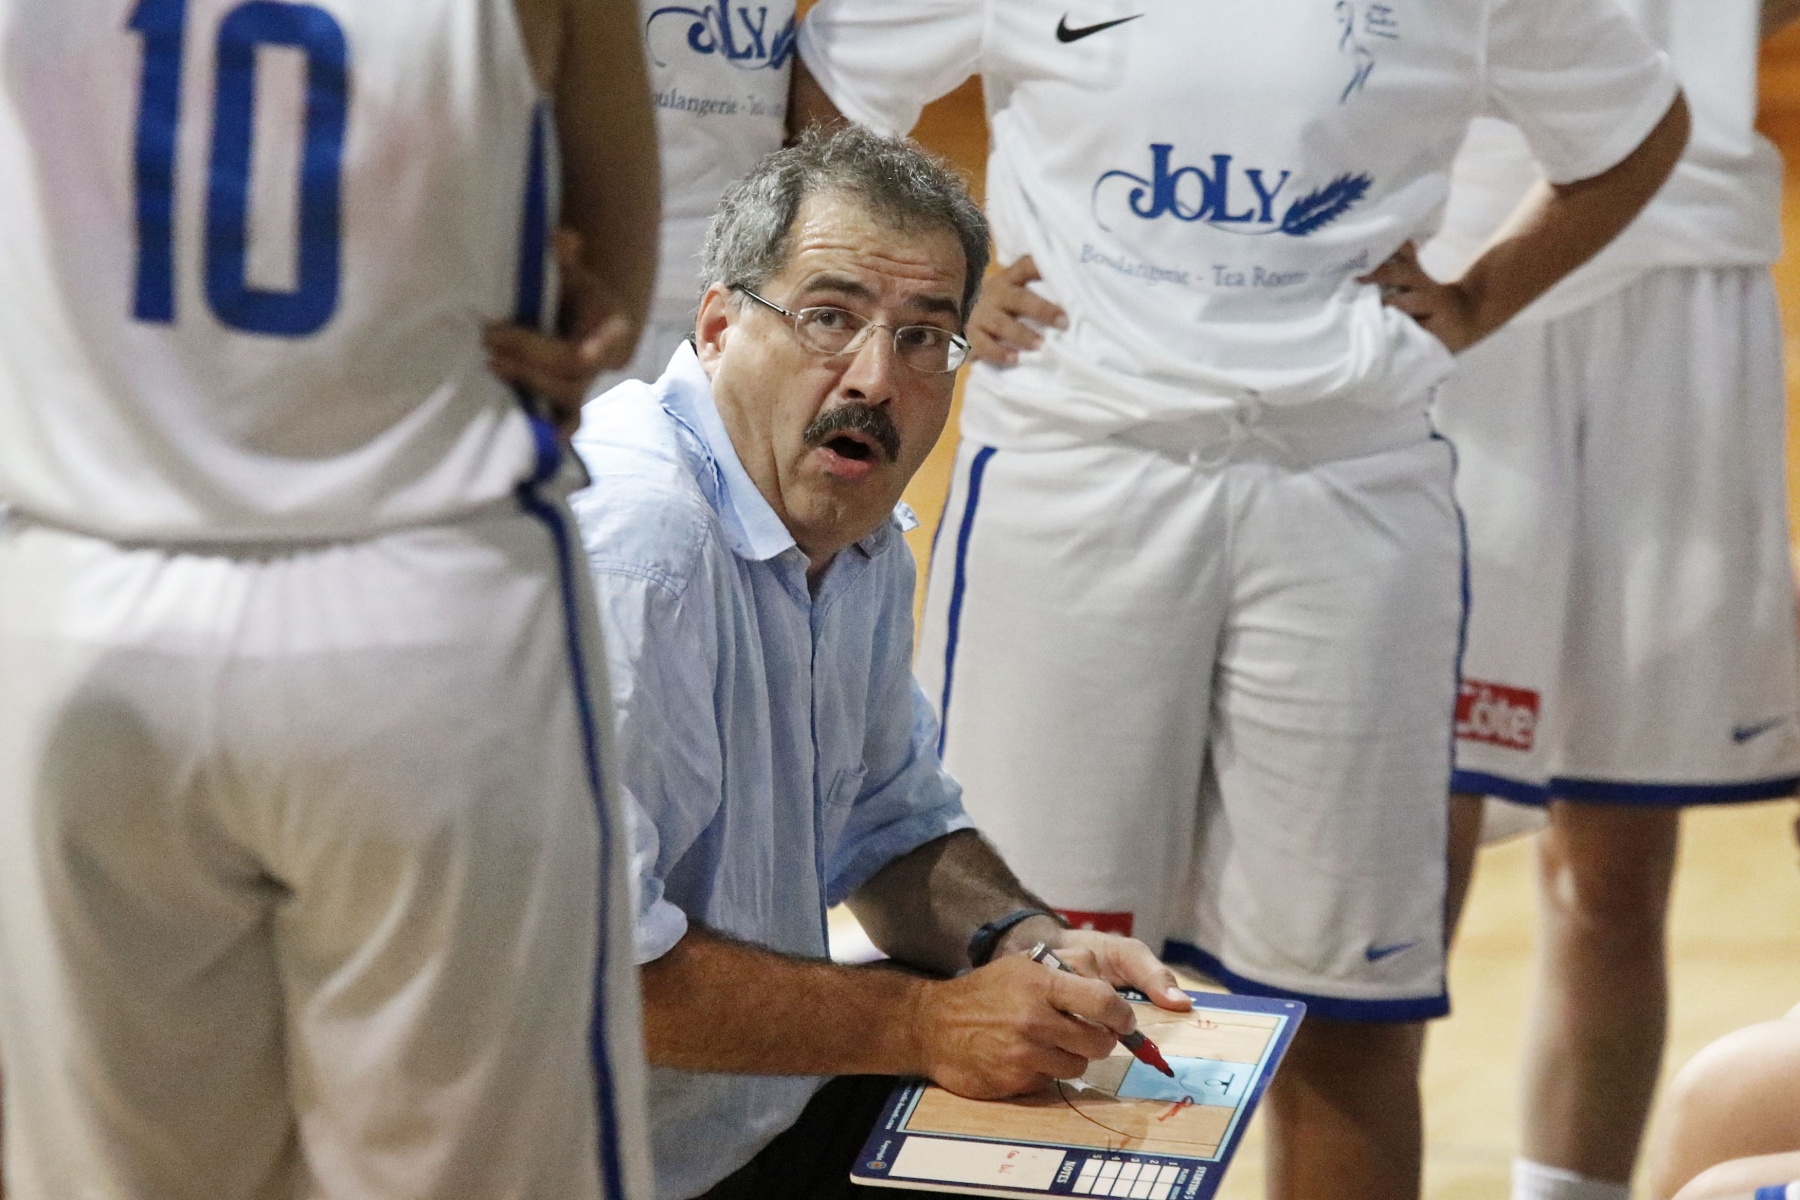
[(659, 924), (915, 804)]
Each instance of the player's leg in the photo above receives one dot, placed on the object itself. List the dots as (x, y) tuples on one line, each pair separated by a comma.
[(1466, 813), (1069, 636), (140, 1014), (1738, 1098), (1345, 1116), (1321, 870), (435, 829), (1594, 1033), (1680, 668)]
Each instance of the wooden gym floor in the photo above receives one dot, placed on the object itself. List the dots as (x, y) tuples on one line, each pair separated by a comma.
[(1736, 923)]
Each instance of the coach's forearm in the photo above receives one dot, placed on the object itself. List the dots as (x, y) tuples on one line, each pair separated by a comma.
[(1559, 227), (922, 907), (714, 1004)]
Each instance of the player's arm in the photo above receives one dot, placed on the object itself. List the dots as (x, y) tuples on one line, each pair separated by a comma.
[(1008, 314), (714, 1004), (808, 105), (1777, 15), (1555, 229), (590, 58), (923, 907)]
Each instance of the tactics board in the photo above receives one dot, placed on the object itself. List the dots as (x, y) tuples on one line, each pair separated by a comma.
[(1123, 1129)]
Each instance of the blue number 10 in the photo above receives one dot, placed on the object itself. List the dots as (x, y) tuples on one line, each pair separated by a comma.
[(307, 308)]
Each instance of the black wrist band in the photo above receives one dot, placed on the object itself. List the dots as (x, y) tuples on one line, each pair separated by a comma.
[(983, 941)]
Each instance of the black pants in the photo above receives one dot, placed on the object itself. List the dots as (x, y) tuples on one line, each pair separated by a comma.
[(811, 1159)]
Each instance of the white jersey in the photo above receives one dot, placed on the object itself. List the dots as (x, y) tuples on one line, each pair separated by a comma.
[(719, 77), (1200, 183), (1720, 208), (249, 250)]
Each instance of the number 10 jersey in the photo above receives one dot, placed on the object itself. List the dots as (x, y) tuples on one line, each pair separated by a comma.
[(247, 249)]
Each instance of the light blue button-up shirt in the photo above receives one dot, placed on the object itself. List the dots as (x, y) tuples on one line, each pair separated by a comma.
[(774, 740)]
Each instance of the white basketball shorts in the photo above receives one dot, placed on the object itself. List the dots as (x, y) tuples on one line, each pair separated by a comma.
[(1631, 636), (1198, 689), (302, 871)]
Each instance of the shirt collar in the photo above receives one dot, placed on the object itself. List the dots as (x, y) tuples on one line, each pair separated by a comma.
[(751, 526)]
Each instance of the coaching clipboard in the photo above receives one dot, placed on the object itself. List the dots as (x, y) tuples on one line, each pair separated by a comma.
[(1123, 1130)]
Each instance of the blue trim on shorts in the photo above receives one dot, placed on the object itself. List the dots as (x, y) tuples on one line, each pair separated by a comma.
[(1465, 592), (1773, 1191), (937, 533), (605, 1099), (1480, 783), (1613, 791), (977, 469), (1673, 795), (1332, 1008)]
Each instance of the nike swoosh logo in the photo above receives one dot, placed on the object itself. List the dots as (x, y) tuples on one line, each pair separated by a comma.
[(1743, 733), (1377, 953), (1065, 34)]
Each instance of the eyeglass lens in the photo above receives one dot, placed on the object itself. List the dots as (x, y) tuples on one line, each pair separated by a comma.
[(924, 348)]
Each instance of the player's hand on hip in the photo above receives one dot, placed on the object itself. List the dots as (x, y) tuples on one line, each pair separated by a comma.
[(594, 336), (1445, 310), (998, 327), (1121, 962), (1014, 1026)]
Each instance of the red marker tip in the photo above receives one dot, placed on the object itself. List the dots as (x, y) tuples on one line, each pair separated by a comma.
[(1145, 1051)]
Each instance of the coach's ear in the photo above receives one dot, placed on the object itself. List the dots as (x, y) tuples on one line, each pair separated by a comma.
[(712, 326)]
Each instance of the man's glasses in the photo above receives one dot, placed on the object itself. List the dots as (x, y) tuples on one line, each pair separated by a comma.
[(928, 349)]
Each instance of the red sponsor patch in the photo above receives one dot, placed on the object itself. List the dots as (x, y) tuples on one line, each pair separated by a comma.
[(1495, 713), (1113, 922)]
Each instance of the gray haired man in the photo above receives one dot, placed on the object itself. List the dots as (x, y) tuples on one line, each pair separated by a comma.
[(744, 535)]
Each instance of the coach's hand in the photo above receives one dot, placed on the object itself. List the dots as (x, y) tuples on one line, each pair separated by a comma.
[(593, 336), (997, 327), (1446, 310), (1121, 962), (1014, 1026)]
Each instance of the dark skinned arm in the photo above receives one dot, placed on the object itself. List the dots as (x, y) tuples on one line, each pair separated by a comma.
[(1777, 15), (808, 105), (590, 58), (1555, 229)]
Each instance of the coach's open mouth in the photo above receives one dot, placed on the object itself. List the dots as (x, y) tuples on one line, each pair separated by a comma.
[(857, 447)]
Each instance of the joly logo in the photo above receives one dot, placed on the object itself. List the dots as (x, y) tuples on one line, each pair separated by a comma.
[(1228, 197), (743, 41)]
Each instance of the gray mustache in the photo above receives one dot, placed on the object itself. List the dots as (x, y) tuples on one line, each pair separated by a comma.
[(857, 418)]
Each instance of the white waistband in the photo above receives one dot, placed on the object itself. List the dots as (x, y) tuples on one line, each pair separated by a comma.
[(1290, 437)]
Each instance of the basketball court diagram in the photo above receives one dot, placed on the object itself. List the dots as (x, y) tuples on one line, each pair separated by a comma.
[(1120, 1104)]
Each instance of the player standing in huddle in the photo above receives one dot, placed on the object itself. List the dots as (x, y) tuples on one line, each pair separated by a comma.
[(719, 77), (1193, 621), (1631, 641), (308, 870)]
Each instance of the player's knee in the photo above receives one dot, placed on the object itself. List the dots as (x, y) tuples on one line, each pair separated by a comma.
[(1325, 1050), (1625, 893)]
